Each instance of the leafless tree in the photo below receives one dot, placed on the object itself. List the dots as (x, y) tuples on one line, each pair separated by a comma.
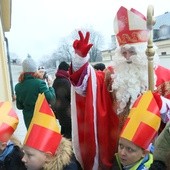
[(96, 39), (65, 51)]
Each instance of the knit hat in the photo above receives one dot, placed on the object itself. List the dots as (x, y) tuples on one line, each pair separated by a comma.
[(99, 66), (29, 65), (8, 121), (43, 133), (130, 26), (143, 121)]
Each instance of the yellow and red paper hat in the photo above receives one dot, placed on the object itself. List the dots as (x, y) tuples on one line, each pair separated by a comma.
[(143, 121), (8, 121), (130, 26), (43, 133)]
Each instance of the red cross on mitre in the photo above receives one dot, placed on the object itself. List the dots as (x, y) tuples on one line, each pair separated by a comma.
[(43, 133), (143, 121), (8, 121)]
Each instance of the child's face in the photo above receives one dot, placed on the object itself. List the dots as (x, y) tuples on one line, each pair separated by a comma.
[(33, 159), (41, 73), (129, 153)]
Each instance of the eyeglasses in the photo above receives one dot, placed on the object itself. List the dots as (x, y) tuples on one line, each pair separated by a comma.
[(41, 67)]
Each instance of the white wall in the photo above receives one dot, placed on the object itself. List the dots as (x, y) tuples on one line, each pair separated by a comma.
[(165, 61)]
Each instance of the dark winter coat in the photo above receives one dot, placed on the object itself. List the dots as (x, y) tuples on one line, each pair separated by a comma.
[(13, 160), (61, 108), (26, 95), (158, 165)]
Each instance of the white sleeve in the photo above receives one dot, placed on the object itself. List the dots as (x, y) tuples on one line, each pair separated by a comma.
[(78, 62), (83, 87)]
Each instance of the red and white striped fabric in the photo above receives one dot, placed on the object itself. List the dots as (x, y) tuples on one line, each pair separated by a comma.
[(94, 123)]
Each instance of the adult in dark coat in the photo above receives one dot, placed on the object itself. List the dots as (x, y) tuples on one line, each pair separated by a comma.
[(29, 87), (62, 87)]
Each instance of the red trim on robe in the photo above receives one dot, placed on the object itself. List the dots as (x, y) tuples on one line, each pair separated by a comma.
[(107, 125), (163, 81), (163, 86)]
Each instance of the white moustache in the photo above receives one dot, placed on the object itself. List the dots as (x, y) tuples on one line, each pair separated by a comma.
[(135, 59)]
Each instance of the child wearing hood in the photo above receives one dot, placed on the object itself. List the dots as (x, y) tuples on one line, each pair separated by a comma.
[(44, 147)]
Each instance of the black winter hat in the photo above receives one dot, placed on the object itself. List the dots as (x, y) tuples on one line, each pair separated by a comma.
[(63, 66)]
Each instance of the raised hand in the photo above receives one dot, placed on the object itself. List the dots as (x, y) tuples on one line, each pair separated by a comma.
[(81, 46)]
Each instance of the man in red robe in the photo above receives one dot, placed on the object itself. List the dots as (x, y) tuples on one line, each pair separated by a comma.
[(94, 122), (101, 100)]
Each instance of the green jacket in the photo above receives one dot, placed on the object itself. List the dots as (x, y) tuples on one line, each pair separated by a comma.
[(27, 93), (143, 164)]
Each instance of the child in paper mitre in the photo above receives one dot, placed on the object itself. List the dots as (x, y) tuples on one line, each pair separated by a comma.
[(139, 130), (10, 151), (44, 147)]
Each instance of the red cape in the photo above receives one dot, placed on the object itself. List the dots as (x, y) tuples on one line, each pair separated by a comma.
[(95, 141)]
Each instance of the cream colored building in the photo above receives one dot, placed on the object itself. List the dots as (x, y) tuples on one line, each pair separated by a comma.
[(161, 38), (107, 56), (164, 52), (5, 25)]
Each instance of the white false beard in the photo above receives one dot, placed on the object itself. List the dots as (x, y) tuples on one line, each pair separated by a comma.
[(129, 80)]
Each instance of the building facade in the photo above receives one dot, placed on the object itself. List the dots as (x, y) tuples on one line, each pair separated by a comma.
[(161, 38), (5, 25)]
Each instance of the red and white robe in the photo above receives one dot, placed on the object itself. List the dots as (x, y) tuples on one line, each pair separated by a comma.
[(94, 123)]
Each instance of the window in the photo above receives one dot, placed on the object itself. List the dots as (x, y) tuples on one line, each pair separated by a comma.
[(164, 32), (163, 53)]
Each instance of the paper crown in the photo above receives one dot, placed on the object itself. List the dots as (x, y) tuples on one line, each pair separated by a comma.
[(43, 133), (130, 26), (143, 121), (8, 121)]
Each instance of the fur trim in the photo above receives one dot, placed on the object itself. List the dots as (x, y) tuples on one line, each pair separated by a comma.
[(62, 157)]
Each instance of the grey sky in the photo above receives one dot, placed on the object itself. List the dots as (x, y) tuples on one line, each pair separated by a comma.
[(39, 25)]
